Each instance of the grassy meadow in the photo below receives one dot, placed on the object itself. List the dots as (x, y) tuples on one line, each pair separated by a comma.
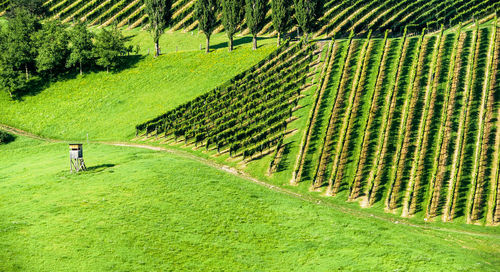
[(142, 210), (107, 106)]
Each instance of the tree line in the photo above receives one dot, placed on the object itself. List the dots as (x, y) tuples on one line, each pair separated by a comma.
[(238, 13), (28, 47)]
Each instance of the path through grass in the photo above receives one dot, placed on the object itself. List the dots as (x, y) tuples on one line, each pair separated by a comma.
[(141, 210)]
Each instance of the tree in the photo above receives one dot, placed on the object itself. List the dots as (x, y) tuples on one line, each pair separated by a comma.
[(80, 46), (11, 80), (109, 45), (255, 13), (52, 47), (306, 14), (281, 16), (206, 14), (21, 51), (6, 138), (34, 7), (159, 18), (231, 18)]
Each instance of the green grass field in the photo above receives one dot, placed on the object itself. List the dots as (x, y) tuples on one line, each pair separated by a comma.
[(147, 210), (185, 41), (108, 106), (142, 210)]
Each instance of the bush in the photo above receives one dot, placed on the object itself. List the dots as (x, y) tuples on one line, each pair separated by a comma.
[(6, 138)]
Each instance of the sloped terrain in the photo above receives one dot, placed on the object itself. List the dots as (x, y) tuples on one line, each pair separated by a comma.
[(407, 124), (338, 16), (143, 210)]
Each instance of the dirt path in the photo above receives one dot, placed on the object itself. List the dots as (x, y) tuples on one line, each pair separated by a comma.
[(19, 132), (243, 175)]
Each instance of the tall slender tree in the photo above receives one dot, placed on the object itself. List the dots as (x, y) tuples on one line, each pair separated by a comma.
[(231, 18), (159, 14), (255, 13), (206, 14), (306, 14), (281, 16)]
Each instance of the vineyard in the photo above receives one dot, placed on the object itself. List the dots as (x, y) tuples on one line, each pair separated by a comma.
[(338, 16), (408, 123), (391, 104), (248, 115), (416, 132), (299, 138)]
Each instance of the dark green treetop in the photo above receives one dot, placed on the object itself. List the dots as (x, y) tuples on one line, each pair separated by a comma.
[(281, 16), (80, 46), (109, 45), (255, 13), (306, 14), (52, 47), (206, 14), (231, 18)]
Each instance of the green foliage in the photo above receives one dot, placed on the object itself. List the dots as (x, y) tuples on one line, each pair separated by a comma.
[(107, 106), (20, 51), (255, 13), (80, 46), (248, 114), (109, 45), (52, 47), (231, 18), (159, 14), (34, 7), (206, 14), (281, 16), (11, 80), (306, 14), (17, 51)]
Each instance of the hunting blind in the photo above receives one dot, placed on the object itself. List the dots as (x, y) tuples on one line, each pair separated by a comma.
[(76, 158)]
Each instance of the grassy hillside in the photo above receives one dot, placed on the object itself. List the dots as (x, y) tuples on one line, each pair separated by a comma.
[(366, 152), (143, 210), (373, 119), (75, 106)]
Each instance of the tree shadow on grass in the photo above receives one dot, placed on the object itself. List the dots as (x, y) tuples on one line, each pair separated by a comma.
[(39, 83), (33, 87), (239, 41)]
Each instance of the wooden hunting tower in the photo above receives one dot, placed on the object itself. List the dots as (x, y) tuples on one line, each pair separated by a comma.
[(76, 158)]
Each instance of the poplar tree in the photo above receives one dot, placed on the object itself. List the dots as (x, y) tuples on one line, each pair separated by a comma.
[(159, 14), (306, 14), (255, 13), (206, 14), (231, 18), (281, 16)]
